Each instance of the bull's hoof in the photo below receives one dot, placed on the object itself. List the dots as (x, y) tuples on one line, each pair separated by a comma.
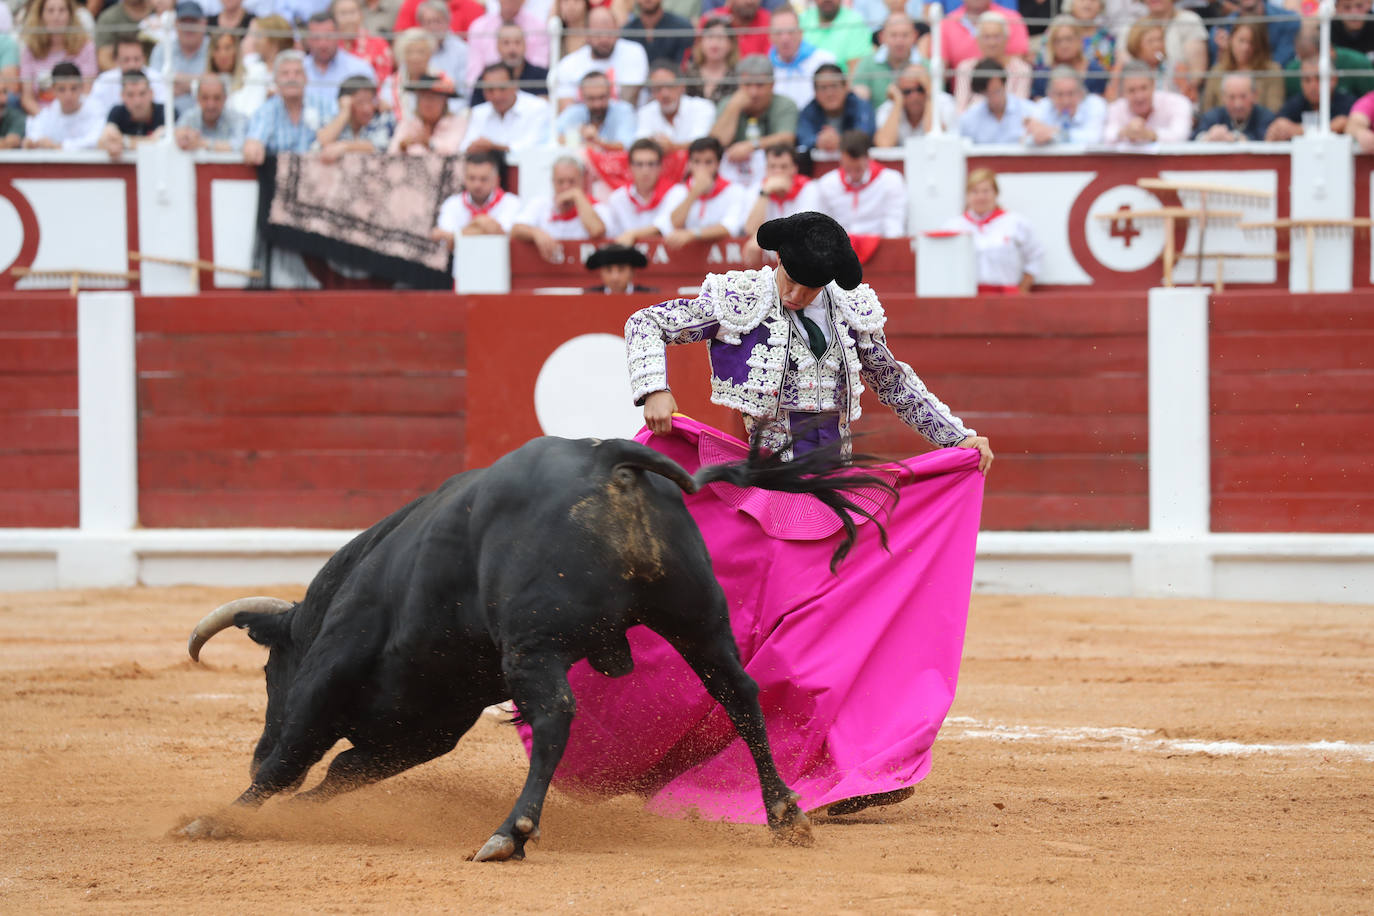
[(789, 824), (498, 849), (205, 828)]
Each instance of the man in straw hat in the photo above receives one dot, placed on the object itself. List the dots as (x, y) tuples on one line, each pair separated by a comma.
[(792, 344)]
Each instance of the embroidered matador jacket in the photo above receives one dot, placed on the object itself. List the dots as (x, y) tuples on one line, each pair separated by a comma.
[(761, 364)]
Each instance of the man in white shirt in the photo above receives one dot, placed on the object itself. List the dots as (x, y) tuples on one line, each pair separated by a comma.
[(129, 55), (623, 61), (673, 119), (482, 209), (794, 60), (705, 207), (566, 216), (630, 213), (910, 111), (68, 121), (784, 191), (861, 195), (1067, 113), (328, 65), (509, 119)]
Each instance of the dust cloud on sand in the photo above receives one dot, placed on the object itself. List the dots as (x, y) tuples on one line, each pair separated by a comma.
[(1132, 756)]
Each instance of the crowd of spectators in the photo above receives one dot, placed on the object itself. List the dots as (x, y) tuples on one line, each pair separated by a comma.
[(750, 94)]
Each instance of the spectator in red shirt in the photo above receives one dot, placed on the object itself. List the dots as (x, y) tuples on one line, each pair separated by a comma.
[(463, 13), (959, 32), (747, 15), (355, 39)]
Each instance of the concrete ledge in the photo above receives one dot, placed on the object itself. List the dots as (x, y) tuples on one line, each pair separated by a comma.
[(1327, 568)]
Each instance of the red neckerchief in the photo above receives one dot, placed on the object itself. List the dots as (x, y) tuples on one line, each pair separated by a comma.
[(720, 185), (873, 170), (798, 182), (981, 223), (641, 205), (486, 207)]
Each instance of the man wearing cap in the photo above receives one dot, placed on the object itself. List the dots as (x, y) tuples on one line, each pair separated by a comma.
[(791, 346), (618, 264), (360, 126), (433, 128), (190, 53)]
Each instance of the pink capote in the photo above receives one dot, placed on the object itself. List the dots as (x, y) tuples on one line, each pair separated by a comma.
[(856, 671)]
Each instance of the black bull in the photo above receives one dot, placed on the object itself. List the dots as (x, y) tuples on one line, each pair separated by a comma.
[(489, 589)]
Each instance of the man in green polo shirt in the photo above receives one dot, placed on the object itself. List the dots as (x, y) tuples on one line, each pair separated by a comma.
[(839, 30), (1308, 45), (877, 71), (754, 117)]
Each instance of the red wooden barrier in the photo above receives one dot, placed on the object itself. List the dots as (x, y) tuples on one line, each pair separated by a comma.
[(1059, 386), (39, 473), (1292, 413), (296, 410)]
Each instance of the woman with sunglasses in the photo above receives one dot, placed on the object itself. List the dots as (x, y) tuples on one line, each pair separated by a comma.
[(909, 110)]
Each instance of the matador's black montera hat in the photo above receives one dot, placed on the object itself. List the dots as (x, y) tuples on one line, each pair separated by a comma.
[(813, 249), (610, 255)]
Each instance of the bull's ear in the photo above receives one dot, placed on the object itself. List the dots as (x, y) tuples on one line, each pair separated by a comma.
[(269, 630)]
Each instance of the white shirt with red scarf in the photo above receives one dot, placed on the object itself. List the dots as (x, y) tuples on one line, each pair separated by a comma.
[(624, 209), (1005, 247), (875, 206), (801, 197), (726, 204), (459, 210), (559, 224)]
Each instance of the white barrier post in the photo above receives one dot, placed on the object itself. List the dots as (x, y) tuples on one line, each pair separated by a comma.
[(166, 219), (107, 444), (1323, 176), (481, 264), (1180, 446)]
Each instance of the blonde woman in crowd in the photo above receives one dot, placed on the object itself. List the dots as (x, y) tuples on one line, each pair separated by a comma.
[(1185, 44), (1247, 52), (413, 50), (52, 35), (1064, 48), (993, 36), (268, 36), (710, 70), (1009, 256)]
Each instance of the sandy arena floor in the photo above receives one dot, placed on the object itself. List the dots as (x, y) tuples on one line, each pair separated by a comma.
[(1122, 756)]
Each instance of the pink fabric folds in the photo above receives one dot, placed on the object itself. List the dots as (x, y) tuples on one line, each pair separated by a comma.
[(856, 671)]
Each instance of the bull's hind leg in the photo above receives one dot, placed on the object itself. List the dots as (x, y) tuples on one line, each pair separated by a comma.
[(716, 661), (539, 686)]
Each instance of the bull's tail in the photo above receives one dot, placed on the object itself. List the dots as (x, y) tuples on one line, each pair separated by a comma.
[(824, 473)]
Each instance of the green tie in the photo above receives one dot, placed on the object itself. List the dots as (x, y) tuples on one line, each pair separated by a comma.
[(813, 333)]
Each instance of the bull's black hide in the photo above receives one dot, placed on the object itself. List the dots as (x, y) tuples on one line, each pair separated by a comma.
[(489, 589)]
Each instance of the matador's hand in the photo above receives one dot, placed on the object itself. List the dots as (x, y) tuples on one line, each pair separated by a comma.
[(659, 408), (984, 451)]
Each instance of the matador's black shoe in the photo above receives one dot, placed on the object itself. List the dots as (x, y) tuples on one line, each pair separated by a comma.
[(860, 802)]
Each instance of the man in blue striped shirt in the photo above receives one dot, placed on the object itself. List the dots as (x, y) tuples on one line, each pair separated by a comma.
[(287, 122)]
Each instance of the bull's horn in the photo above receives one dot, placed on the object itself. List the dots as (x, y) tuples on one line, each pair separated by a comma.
[(222, 617)]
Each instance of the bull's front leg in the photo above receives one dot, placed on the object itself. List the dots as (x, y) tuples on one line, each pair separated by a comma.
[(717, 663), (539, 686)]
